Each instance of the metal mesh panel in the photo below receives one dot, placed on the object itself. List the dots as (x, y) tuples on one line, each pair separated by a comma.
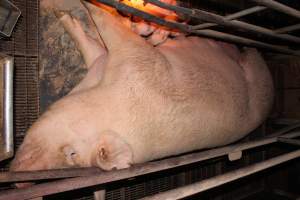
[(23, 45)]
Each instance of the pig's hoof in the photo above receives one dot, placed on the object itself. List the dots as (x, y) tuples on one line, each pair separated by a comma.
[(60, 13), (112, 152)]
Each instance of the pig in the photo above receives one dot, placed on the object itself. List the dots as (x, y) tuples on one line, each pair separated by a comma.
[(140, 102)]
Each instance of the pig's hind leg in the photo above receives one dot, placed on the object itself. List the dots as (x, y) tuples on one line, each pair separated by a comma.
[(93, 51), (90, 48)]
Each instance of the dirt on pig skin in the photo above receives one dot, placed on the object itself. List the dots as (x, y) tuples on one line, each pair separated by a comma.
[(61, 65)]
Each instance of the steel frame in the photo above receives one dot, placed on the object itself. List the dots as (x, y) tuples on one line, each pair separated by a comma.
[(226, 21), (72, 179)]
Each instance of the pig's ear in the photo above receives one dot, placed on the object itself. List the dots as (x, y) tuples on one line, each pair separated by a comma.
[(112, 152)]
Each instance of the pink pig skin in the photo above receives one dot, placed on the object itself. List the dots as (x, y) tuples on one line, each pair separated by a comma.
[(139, 102)]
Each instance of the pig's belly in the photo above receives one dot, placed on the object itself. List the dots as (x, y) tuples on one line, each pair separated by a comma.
[(189, 116)]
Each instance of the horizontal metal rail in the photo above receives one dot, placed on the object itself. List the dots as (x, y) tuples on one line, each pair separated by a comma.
[(189, 29), (216, 181), (6, 177), (78, 172), (279, 7), (289, 141), (7, 148), (288, 29), (244, 41), (137, 170), (214, 18), (236, 15)]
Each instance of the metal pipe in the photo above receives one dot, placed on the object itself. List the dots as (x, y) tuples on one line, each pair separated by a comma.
[(279, 7), (47, 174), (288, 29), (216, 181), (189, 29), (218, 19), (99, 195), (289, 141), (136, 170), (285, 121), (232, 16), (244, 41), (79, 172), (7, 107)]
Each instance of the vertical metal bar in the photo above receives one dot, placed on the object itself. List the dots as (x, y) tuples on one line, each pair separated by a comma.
[(279, 7), (7, 107), (99, 195)]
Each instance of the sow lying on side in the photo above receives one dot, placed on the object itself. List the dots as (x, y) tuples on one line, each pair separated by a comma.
[(139, 102)]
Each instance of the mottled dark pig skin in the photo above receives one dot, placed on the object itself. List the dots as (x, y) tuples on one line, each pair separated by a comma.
[(61, 65)]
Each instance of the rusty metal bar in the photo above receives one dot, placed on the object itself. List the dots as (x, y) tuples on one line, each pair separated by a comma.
[(47, 174), (216, 181), (288, 29), (232, 16), (137, 170), (188, 29), (217, 19), (279, 7)]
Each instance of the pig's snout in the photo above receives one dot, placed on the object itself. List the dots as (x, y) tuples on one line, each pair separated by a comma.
[(32, 157), (109, 151)]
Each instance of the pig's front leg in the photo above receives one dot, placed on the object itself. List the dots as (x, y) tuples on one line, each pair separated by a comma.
[(93, 51)]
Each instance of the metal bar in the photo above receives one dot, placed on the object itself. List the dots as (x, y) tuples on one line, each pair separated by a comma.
[(279, 7), (289, 141), (214, 18), (288, 29), (188, 29), (286, 194), (232, 16), (47, 174), (7, 108), (285, 121), (244, 41), (216, 181), (136, 170), (99, 195), (79, 172)]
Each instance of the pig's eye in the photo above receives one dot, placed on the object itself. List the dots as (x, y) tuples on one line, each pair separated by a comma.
[(70, 155)]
